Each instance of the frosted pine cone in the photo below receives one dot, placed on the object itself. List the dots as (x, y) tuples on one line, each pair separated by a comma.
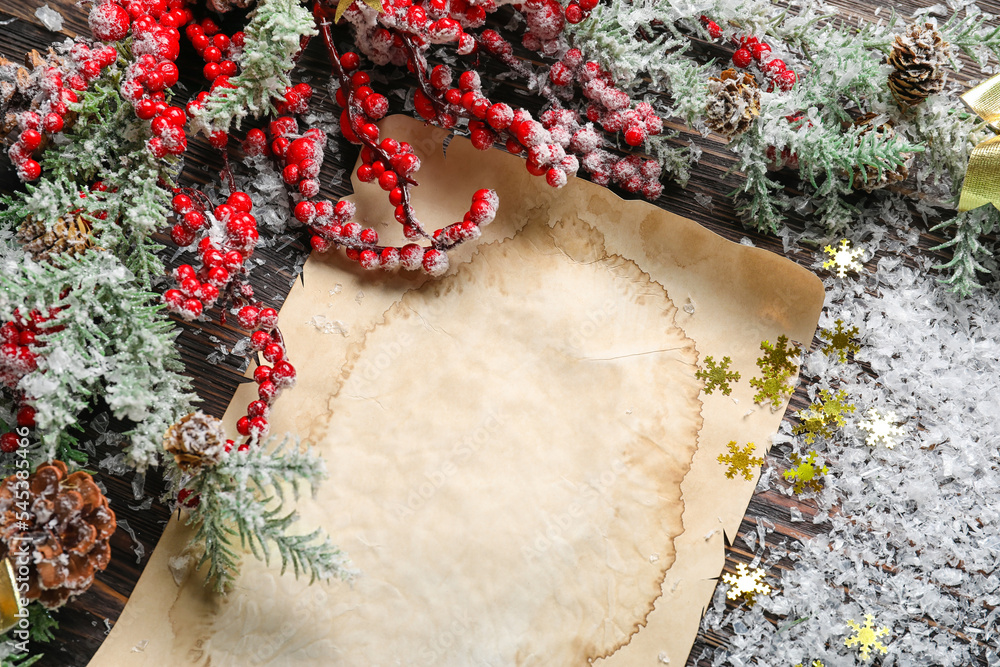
[(869, 179), (58, 525), (70, 234), (196, 440), (734, 103), (918, 59), (21, 87)]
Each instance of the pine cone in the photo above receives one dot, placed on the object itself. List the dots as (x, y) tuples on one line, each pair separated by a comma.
[(868, 179), (196, 440), (63, 540), (69, 234), (734, 103), (918, 59)]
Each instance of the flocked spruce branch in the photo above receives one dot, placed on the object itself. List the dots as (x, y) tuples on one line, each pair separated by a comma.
[(242, 504), (106, 147), (100, 338), (273, 38)]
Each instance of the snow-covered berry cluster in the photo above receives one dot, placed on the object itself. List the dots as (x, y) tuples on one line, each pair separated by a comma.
[(609, 106), (632, 173), (379, 35)]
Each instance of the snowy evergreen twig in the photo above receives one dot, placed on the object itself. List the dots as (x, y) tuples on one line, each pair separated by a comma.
[(242, 500)]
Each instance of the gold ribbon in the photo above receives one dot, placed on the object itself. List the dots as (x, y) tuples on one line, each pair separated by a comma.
[(10, 600), (982, 178)]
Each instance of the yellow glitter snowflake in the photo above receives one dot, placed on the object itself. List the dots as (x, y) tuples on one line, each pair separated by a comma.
[(773, 389), (746, 584), (840, 341), (843, 258), (867, 637), (806, 474), (740, 460), (819, 418), (814, 663), (718, 376), (882, 429), (779, 357)]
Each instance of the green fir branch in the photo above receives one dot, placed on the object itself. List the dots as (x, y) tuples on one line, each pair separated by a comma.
[(972, 36), (964, 267), (242, 499), (273, 38), (108, 339)]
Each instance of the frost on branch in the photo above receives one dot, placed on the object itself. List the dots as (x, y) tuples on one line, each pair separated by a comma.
[(97, 336), (241, 502), (273, 38)]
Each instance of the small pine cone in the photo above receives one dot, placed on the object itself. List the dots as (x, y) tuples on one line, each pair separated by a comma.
[(58, 526), (196, 440), (734, 103), (868, 179), (918, 59), (69, 234)]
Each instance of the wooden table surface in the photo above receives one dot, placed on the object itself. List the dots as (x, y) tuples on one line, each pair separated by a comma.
[(86, 621)]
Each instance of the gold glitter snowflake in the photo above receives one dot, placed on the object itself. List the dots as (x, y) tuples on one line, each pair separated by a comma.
[(867, 637), (819, 418), (718, 376), (746, 584), (840, 341), (806, 474), (773, 389), (740, 460), (882, 429), (814, 663), (843, 258), (779, 358)]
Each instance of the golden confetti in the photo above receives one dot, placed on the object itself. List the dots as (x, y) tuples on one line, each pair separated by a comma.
[(806, 474), (819, 418), (746, 584), (843, 258), (840, 341), (718, 376), (740, 460), (779, 358), (866, 637)]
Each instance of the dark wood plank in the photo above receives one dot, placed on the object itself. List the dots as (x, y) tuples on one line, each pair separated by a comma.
[(85, 621)]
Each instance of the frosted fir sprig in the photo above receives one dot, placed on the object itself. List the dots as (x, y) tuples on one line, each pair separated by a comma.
[(273, 39), (102, 338), (242, 504), (106, 148)]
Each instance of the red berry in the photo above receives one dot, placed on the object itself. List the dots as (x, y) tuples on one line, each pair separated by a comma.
[(173, 298), (212, 71), (181, 203), (574, 14), (786, 80), (635, 135), (26, 416), (218, 139), (243, 426), (181, 235), (9, 442), (255, 142), (193, 221), (742, 58), (267, 390), (240, 201), (262, 374), (248, 317), (268, 318), (388, 180), (259, 340), (350, 61), (192, 307), (188, 498), (759, 51), (259, 426), (775, 67), (273, 352), (29, 170), (305, 212), (109, 22)]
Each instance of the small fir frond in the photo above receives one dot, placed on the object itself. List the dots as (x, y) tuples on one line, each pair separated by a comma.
[(273, 38), (105, 337), (242, 505)]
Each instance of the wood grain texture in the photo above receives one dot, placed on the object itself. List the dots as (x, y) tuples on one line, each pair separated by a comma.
[(85, 622)]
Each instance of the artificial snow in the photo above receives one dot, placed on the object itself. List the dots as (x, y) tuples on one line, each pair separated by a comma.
[(50, 18)]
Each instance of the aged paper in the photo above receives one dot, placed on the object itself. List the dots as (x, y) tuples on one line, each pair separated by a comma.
[(522, 462)]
